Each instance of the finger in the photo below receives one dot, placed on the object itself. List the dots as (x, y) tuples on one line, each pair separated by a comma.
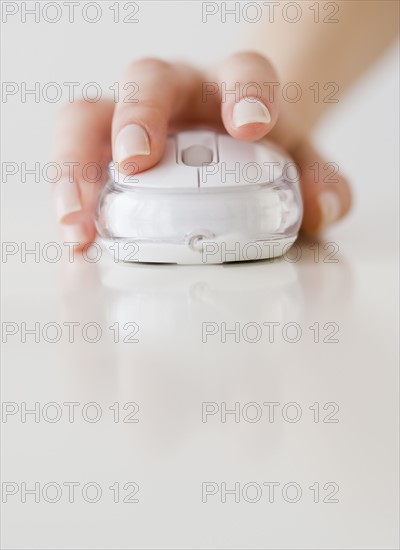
[(326, 193), (248, 105), (162, 92), (83, 151)]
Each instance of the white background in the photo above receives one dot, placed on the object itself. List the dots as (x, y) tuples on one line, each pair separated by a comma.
[(170, 372)]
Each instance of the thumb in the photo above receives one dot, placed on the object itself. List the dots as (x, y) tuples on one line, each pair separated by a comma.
[(326, 193)]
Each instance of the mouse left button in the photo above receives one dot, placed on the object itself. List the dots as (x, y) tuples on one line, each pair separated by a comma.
[(167, 174)]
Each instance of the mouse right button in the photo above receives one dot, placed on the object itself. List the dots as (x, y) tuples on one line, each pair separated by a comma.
[(241, 163)]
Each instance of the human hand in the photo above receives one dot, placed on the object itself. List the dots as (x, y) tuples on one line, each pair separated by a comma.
[(170, 98)]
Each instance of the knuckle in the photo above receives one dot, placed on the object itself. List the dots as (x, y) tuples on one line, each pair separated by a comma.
[(149, 63), (78, 106), (149, 113), (248, 56)]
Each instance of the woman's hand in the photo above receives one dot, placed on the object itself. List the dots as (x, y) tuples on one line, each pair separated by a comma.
[(171, 97)]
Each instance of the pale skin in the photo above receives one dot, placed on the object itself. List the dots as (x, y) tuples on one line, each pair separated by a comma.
[(171, 97)]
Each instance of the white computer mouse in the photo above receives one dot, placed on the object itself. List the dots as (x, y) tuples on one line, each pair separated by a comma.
[(211, 199)]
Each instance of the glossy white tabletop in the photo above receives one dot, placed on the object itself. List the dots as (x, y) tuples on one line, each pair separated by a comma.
[(239, 406)]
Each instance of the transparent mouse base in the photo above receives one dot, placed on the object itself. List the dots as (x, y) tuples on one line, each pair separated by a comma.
[(199, 252)]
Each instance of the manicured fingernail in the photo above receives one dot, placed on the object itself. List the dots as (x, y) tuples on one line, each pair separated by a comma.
[(331, 207), (249, 111), (66, 199), (75, 234), (131, 142)]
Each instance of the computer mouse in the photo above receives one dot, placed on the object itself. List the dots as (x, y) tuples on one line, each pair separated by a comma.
[(211, 199)]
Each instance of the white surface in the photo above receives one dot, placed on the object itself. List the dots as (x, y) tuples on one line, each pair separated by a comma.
[(170, 372)]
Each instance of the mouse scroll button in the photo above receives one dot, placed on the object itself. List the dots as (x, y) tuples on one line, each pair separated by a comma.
[(197, 155)]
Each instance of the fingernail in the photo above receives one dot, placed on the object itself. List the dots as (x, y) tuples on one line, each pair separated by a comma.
[(331, 208), (131, 142), (249, 111), (75, 234), (66, 199)]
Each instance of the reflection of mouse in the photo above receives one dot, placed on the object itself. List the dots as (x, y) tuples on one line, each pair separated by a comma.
[(211, 199)]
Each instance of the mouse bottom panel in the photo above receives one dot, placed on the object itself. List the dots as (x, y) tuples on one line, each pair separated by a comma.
[(197, 252)]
